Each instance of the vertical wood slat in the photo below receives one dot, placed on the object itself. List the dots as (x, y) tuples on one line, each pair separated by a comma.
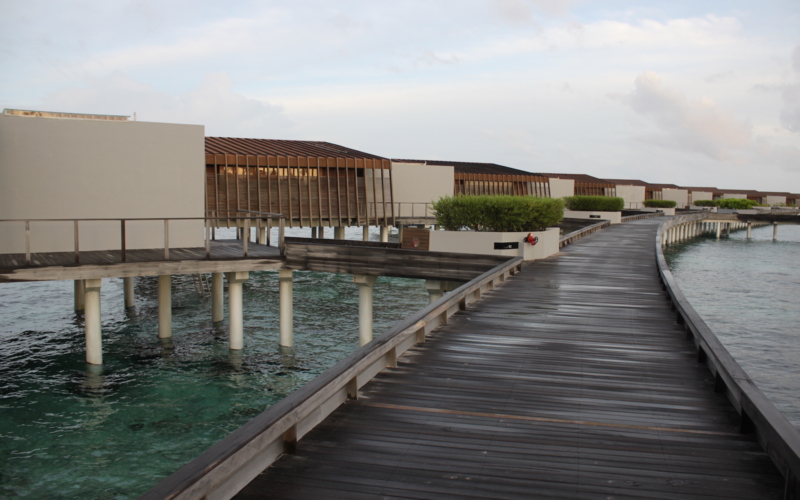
[(308, 189), (289, 190), (258, 185), (236, 179), (330, 195), (347, 195), (319, 189), (391, 193), (247, 179), (383, 193), (338, 191)]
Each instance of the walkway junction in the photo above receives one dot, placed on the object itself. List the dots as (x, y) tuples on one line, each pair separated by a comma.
[(581, 375)]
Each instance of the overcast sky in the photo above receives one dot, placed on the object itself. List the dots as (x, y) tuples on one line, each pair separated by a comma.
[(701, 93)]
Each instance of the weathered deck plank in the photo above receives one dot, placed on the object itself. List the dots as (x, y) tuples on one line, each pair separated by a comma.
[(572, 380)]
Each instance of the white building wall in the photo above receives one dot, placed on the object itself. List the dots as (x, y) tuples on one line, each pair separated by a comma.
[(679, 196), (415, 185), (774, 200), (739, 196), (560, 188), (633, 195), (82, 169), (700, 195)]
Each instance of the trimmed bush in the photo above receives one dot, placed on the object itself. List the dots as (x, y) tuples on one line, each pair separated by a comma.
[(704, 203), (659, 203), (497, 213), (736, 203), (594, 203)]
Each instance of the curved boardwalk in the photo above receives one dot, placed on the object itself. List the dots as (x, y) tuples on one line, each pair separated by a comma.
[(572, 380)]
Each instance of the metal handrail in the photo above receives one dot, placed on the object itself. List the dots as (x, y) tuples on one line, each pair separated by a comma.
[(123, 230)]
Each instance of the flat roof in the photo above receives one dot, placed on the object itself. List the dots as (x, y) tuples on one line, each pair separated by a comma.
[(587, 179), (63, 115), (627, 182), (280, 147)]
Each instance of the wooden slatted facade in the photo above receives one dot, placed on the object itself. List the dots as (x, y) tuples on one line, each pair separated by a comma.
[(500, 184), (301, 180), (586, 185)]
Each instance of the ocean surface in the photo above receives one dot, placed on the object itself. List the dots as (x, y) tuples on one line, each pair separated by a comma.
[(68, 432), (748, 292)]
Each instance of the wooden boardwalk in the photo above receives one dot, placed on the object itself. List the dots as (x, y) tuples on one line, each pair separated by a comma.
[(572, 380)]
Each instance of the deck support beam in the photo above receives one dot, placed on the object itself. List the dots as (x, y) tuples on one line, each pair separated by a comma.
[(235, 319), (366, 285), (94, 339), (79, 296), (286, 307), (338, 233), (130, 298), (217, 298), (313, 232), (164, 306)]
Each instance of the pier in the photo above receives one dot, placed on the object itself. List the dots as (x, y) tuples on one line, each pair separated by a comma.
[(579, 377)]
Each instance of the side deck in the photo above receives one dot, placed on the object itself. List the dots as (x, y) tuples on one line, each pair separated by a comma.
[(571, 380)]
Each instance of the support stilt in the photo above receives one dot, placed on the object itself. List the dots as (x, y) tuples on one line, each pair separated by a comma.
[(338, 233), (384, 234), (365, 287), (235, 319), (217, 297), (94, 339), (775, 232), (79, 296), (286, 307), (164, 306), (130, 299)]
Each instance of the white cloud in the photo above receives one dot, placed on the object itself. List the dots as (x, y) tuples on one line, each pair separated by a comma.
[(790, 113), (213, 104)]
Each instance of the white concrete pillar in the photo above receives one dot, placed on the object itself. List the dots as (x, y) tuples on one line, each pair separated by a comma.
[(435, 291), (365, 287), (384, 234), (313, 232), (719, 229), (775, 232), (268, 230), (235, 319), (365, 235), (286, 307), (130, 299), (728, 229), (338, 232), (749, 230), (94, 339), (79, 296), (164, 306), (217, 298)]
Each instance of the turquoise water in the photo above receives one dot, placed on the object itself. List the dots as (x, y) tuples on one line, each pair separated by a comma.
[(748, 294), (66, 432)]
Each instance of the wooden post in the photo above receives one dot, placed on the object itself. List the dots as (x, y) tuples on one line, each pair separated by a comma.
[(27, 243), (281, 233), (166, 239), (435, 291), (122, 243), (217, 295), (94, 340), (286, 307), (164, 306), (76, 240), (235, 319), (365, 287)]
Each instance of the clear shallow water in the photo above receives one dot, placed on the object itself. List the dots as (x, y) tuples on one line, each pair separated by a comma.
[(66, 432), (748, 292)]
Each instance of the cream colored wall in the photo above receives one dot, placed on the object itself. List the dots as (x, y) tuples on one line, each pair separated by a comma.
[(633, 195), (774, 200), (482, 243), (700, 195), (80, 169), (419, 184), (560, 188), (679, 196), (740, 196), (613, 217)]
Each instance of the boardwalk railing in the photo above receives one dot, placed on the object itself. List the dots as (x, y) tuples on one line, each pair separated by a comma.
[(246, 219), (629, 218), (232, 463), (580, 233), (758, 415)]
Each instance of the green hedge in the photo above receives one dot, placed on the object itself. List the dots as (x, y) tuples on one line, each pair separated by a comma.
[(594, 203), (659, 203), (497, 213), (736, 203), (704, 203)]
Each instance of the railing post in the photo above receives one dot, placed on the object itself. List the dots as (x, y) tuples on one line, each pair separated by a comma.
[(208, 240), (27, 243), (166, 239), (281, 231), (245, 235), (77, 244), (122, 239)]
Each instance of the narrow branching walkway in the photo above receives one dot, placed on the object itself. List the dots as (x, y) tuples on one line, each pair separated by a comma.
[(572, 380)]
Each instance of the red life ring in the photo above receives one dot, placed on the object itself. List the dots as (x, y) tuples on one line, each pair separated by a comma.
[(532, 239)]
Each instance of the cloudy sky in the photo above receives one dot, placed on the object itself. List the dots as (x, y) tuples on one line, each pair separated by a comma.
[(694, 93)]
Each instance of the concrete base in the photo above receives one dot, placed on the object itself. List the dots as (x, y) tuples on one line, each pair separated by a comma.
[(338, 233), (384, 234), (365, 235)]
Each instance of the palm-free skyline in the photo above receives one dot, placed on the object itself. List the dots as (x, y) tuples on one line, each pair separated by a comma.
[(706, 93)]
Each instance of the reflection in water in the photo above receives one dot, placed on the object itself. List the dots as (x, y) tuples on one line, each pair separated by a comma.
[(70, 430), (746, 291)]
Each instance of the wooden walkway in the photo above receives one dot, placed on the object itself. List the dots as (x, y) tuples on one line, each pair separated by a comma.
[(572, 380), (220, 250)]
